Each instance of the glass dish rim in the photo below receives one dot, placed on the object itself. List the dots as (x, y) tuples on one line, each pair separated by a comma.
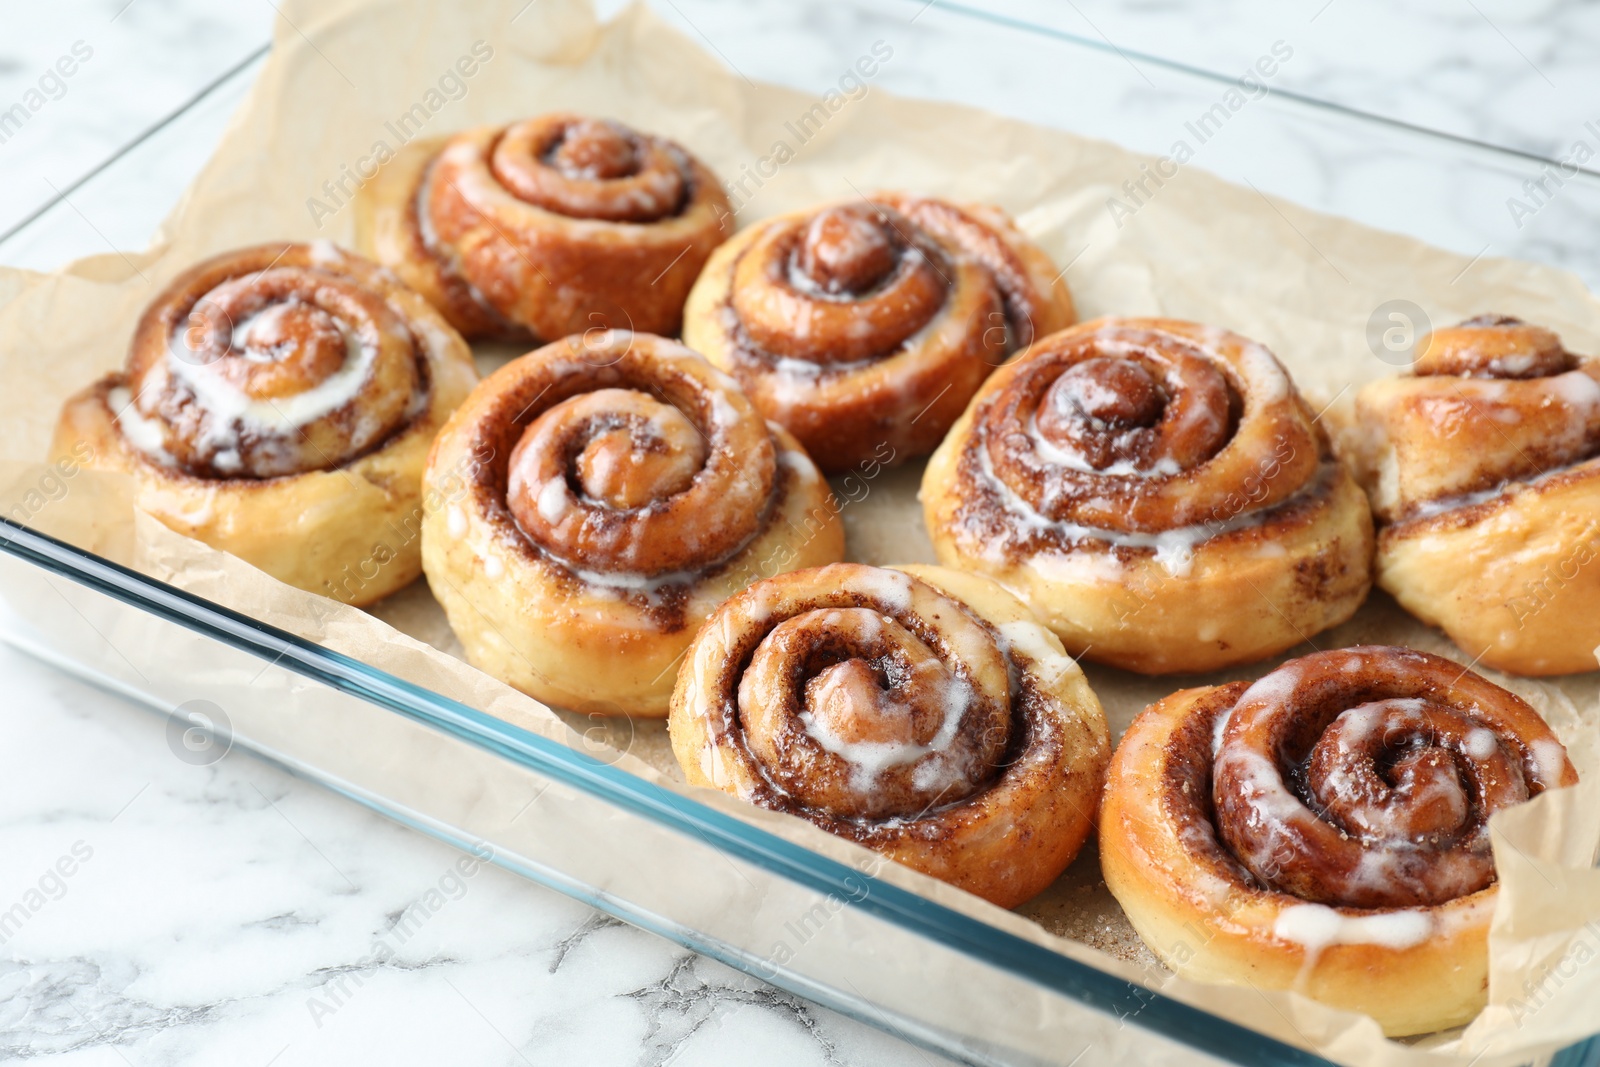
[(1079, 981)]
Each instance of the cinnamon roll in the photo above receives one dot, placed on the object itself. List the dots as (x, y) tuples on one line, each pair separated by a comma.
[(1158, 492), (917, 711), (549, 226), (868, 325), (1325, 829), (1483, 465), (278, 403), (617, 489)]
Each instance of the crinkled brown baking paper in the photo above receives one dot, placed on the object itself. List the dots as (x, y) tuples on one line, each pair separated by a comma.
[(1302, 283)]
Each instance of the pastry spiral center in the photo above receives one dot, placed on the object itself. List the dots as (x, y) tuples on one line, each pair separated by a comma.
[(589, 169), (1120, 393), (590, 148), (849, 284), (647, 465), (654, 452), (1410, 770), (1493, 346), (1106, 410), (858, 703), (852, 713), (1382, 804), (263, 373), (845, 250), (624, 449), (1131, 429), (286, 348)]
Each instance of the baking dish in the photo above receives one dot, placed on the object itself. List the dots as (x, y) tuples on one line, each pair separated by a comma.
[(531, 802)]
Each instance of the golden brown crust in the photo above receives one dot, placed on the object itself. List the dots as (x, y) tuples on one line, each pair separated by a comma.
[(869, 324), (610, 491), (549, 226), (1483, 466), (278, 404), (1325, 829), (1157, 492), (387, 229), (917, 711)]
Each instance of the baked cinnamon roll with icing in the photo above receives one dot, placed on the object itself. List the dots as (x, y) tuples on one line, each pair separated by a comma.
[(617, 489), (1325, 829), (1483, 465), (867, 326), (549, 226), (278, 403), (918, 711), (1158, 492)]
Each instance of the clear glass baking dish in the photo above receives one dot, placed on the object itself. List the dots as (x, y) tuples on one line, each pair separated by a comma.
[(523, 799)]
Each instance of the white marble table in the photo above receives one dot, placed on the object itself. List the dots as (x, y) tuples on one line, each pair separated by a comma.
[(221, 915), (214, 914)]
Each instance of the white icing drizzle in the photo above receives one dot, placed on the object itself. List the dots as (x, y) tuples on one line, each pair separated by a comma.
[(794, 381), (1218, 728), (144, 435), (1200, 839), (1575, 389), (800, 463), (1174, 549), (1196, 418), (231, 413), (231, 407), (1515, 365), (633, 581), (1052, 453), (1273, 802), (1038, 644), (1318, 927), (723, 413), (1549, 760), (804, 368), (1274, 688), (324, 253), (1269, 382), (890, 587), (869, 759), (1438, 506), (552, 500), (1481, 744)]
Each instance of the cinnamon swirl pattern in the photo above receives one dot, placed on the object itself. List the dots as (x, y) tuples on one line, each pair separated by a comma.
[(549, 226), (917, 711), (1325, 829), (867, 326), (1483, 465), (619, 488), (278, 403), (1158, 492)]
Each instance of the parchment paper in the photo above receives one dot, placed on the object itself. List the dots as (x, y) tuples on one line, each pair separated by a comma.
[(1304, 284)]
